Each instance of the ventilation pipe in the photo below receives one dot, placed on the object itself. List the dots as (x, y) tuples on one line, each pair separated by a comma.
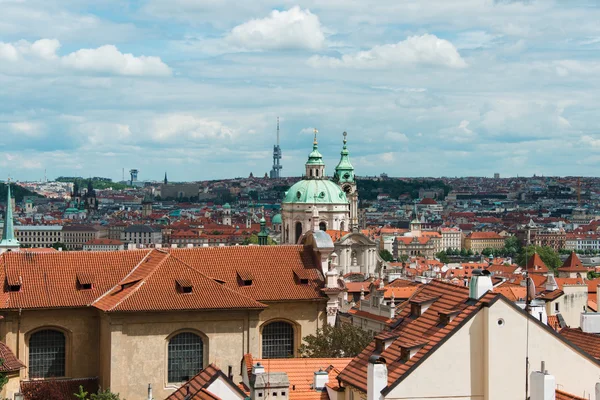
[(480, 284)]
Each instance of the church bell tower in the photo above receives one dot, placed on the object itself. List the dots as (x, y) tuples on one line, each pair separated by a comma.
[(344, 177)]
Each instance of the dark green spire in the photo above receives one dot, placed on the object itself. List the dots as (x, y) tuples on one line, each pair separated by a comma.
[(263, 235)]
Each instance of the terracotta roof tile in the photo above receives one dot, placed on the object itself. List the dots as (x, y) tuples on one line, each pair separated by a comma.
[(300, 372), (157, 283), (196, 387), (572, 264), (535, 265), (588, 342), (55, 280), (425, 328), (560, 395), (9, 361)]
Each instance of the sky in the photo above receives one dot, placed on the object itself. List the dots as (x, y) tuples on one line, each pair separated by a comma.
[(194, 87)]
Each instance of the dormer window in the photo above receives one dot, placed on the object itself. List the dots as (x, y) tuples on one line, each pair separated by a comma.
[(245, 278), (184, 285), (415, 310), (302, 276), (14, 288), (84, 281), (409, 349)]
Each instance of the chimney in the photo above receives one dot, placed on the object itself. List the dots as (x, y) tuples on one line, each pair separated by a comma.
[(543, 385), (258, 369), (480, 283), (320, 379), (377, 377), (149, 391), (598, 391), (551, 284)]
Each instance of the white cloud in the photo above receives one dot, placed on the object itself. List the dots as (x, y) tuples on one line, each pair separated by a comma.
[(31, 129), (8, 52), (179, 127), (109, 59), (291, 29), (396, 137), (415, 50), (460, 133), (589, 141), (104, 59)]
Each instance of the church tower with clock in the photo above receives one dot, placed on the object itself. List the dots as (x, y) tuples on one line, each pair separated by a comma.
[(345, 178)]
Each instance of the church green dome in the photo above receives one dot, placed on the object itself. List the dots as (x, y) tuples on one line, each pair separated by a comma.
[(320, 191), (276, 219)]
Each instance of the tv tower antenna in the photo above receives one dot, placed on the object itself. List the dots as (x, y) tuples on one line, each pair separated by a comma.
[(276, 170)]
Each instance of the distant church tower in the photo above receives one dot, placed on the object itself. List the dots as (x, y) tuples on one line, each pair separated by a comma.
[(344, 176), (9, 241), (166, 181), (226, 214), (276, 170)]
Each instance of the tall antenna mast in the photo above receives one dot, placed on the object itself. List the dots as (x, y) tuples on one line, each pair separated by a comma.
[(277, 131)]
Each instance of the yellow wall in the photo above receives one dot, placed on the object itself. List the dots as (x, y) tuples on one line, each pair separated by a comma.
[(129, 351)]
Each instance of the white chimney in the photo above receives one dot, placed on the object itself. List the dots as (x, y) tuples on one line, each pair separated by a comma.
[(598, 391), (189, 245), (377, 377), (543, 385), (321, 378), (480, 283), (551, 284), (258, 369), (149, 391)]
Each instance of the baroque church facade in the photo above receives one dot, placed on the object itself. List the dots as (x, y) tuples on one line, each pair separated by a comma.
[(318, 203)]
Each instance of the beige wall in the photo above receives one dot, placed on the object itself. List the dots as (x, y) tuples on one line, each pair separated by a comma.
[(486, 360), (129, 351), (570, 305), (79, 325)]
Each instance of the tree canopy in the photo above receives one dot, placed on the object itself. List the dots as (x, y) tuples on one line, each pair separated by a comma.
[(386, 255), (344, 340), (547, 254)]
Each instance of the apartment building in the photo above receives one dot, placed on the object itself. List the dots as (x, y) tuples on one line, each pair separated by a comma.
[(39, 235)]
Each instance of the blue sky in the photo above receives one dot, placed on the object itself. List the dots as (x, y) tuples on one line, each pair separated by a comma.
[(193, 87)]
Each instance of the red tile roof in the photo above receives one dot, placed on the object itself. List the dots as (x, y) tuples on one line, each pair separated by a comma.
[(484, 235), (588, 342), (51, 280), (300, 372), (156, 284), (198, 385), (535, 265), (560, 395), (9, 361), (553, 322), (572, 264), (425, 328)]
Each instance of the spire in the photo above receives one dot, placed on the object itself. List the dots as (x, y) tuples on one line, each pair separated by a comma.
[(344, 172), (315, 167), (9, 241), (263, 235), (166, 180)]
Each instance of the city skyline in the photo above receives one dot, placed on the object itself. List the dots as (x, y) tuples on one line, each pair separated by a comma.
[(194, 88)]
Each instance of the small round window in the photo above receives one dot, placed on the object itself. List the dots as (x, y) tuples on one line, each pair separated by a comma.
[(298, 194), (500, 322), (322, 194)]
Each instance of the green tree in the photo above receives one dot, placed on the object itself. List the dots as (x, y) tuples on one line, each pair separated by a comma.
[(345, 340), (101, 395), (547, 254), (487, 252), (253, 239), (3, 377), (443, 257), (59, 245), (386, 255), (403, 258)]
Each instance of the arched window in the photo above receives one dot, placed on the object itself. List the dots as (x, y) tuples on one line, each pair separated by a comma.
[(342, 226), (298, 231), (47, 354), (278, 340), (186, 355), (322, 226)]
